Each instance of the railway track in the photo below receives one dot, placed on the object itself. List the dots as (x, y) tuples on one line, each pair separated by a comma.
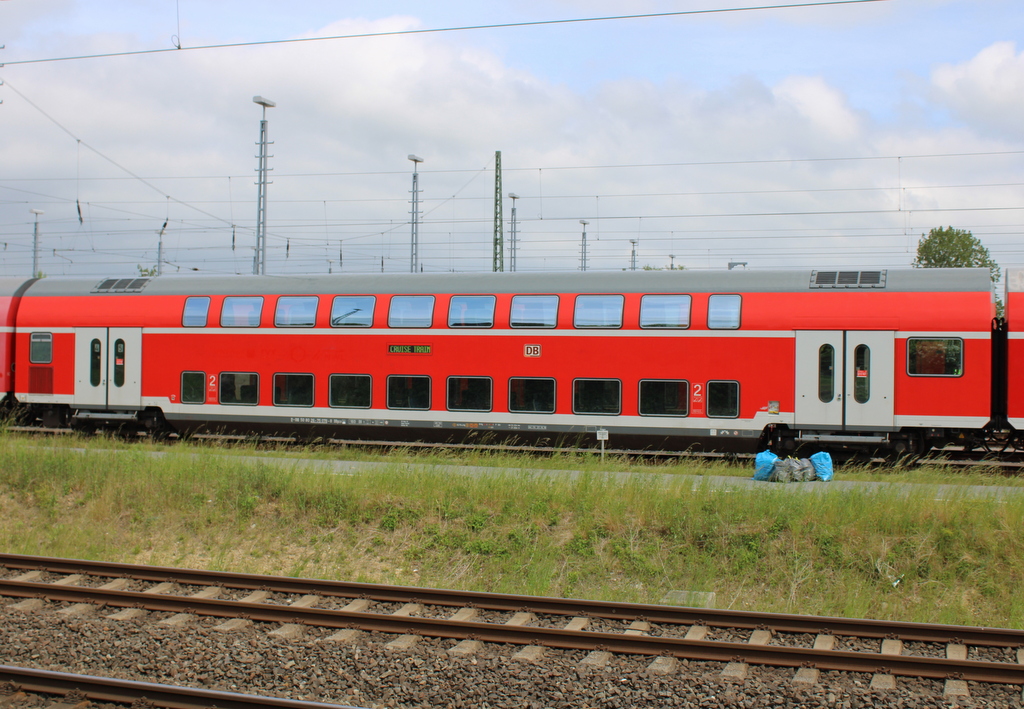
[(23, 686), (522, 627)]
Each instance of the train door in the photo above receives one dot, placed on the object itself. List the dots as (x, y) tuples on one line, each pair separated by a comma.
[(845, 379), (108, 367)]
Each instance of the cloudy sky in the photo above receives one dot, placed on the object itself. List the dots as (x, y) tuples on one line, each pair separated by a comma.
[(819, 136)]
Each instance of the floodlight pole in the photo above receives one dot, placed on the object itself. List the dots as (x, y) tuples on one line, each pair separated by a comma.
[(632, 256), (414, 247), (583, 246), (35, 242), (512, 234), (259, 265)]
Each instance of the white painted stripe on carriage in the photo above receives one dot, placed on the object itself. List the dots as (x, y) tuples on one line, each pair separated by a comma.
[(945, 335), (433, 332), (941, 421), (393, 416), (5, 330)]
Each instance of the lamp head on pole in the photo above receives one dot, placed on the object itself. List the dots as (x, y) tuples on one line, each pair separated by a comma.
[(37, 212), (513, 196), (265, 102)]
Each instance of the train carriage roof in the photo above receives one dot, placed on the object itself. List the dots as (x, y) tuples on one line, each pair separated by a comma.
[(678, 281)]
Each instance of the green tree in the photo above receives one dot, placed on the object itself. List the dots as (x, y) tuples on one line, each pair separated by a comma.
[(946, 247)]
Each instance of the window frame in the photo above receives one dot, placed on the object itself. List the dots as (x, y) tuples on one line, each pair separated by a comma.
[(537, 296), (959, 340), (187, 317), (252, 299), (455, 378), (464, 297), (412, 299), (739, 311), (578, 380), (330, 391), (220, 389), (585, 297), (297, 299), (202, 388), (387, 396), (653, 296), (338, 323), (640, 397), (312, 389), (554, 395), (707, 393), (37, 340)]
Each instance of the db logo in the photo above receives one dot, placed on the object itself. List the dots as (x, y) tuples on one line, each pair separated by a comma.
[(531, 351)]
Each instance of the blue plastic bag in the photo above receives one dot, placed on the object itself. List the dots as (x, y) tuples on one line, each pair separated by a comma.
[(822, 463), (764, 464)]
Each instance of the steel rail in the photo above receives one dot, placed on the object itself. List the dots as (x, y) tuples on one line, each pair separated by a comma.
[(779, 622), (937, 668), (169, 696)]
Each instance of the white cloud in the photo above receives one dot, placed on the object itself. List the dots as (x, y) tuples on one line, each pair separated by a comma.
[(987, 90)]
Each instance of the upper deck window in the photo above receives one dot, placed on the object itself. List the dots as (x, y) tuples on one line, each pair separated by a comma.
[(598, 311), (296, 311), (724, 312), (534, 311), (665, 311), (241, 311), (411, 311), (196, 310), (352, 310), (471, 311)]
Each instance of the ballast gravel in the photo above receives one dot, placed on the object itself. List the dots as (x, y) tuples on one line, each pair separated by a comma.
[(364, 674)]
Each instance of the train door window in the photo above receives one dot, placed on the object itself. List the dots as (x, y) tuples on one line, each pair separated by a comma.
[(534, 311), (352, 310), (193, 387), (862, 374), (528, 396), (241, 311), (411, 311), (40, 348), (826, 373), (95, 362), (293, 390), (408, 392), (665, 311), (935, 358), (296, 311), (197, 308), (597, 396), (471, 311), (239, 388), (723, 399), (724, 312), (350, 391), (469, 393), (119, 354), (664, 397), (598, 311)]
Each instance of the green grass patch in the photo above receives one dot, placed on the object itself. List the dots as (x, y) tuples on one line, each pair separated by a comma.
[(873, 552)]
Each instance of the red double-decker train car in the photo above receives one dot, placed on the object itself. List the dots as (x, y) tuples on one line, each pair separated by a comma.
[(899, 360)]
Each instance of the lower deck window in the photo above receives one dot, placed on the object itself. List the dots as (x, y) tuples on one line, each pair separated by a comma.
[(293, 390), (350, 391), (664, 397), (240, 388), (193, 387), (408, 392), (469, 393), (597, 396), (935, 358), (723, 399), (531, 395)]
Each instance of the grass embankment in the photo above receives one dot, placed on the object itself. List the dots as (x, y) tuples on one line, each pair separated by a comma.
[(865, 553)]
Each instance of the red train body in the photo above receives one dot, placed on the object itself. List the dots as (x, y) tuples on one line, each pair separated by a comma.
[(898, 360)]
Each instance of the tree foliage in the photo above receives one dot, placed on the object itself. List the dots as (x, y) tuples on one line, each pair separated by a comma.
[(946, 247)]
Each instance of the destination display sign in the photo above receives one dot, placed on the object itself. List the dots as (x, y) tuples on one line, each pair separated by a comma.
[(408, 349)]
